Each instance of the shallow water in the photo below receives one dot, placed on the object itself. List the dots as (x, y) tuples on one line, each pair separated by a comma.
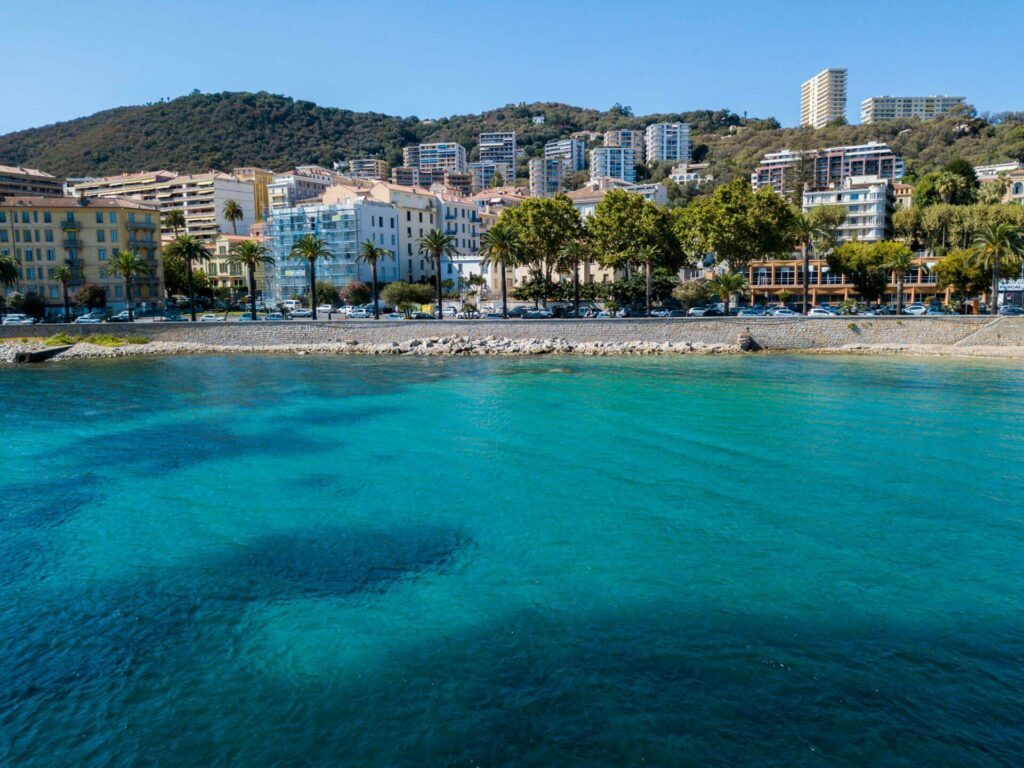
[(749, 561)]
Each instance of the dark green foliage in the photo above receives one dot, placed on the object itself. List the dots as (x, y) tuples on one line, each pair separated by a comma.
[(327, 294), (357, 292), (27, 303), (91, 296)]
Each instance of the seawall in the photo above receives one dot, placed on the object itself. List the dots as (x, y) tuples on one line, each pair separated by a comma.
[(772, 334)]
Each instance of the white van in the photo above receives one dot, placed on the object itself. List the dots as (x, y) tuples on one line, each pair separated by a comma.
[(291, 304)]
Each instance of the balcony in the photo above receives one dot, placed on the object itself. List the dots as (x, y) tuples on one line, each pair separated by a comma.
[(138, 242), (72, 243), (66, 225), (146, 225)]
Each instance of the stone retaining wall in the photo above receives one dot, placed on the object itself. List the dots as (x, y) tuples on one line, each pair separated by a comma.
[(794, 333)]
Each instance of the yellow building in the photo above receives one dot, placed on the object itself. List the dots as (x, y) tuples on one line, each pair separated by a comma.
[(231, 276), (43, 233), (260, 178)]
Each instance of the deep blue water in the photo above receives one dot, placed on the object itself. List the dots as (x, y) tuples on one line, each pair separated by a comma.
[(269, 561)]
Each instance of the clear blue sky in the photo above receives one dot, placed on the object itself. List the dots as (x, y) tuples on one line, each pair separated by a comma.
[(66, 58)]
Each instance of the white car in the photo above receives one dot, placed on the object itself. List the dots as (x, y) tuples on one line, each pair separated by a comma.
[(359, 314), (917, 308), (819, 312), (325, 308), (210, 318), (659, 312), (17, 319), (300, 312), (275, 317), (91, 318), (783, 312)]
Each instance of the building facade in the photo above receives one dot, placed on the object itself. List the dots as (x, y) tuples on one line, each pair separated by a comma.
[(260, 178), (823, 98), (43, 233), (499, 147), (572, 150), (445, 156), (628, 137), (827, 168), (368, 168), (482, 174), (28, 182), (878, 108), (667, 142), (546, 174), (614, 163), (869, 202)]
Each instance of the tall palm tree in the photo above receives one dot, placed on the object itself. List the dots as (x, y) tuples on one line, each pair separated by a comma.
[(174, 220), (189, 249), (370, 253), (726, 284), (805, 230), (233, 212), (309, 248), (947, 184), (900, 260), (126, 265), (65, 274), (500, 247), (8, 277), (251, 255), (997, 243), (648, 255), (570, 256), (436, 244)]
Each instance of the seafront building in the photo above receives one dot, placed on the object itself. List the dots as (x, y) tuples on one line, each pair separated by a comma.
[(613, 162), (667, 142), (869, 202), (823, 98), (43, 233), (200, 196), (572, 150), (827, 168), (223, 275), (878, 108), (28, 182), (627, 137)]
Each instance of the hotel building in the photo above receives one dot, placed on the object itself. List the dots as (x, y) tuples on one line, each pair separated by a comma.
[(879, 108), (43, 233), (614, 163), (827, 168), (667, 142), (823, 98), (22, 182), (572, 150), (869, 202), (201, 197)]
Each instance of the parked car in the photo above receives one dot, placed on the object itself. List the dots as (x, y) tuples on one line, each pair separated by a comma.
[(937, 312), (211, 318), (492, 316), (359, 314), (713, 312), (300, 312), (677, 313), (819, 312), (291, 305), (422, 316), (661, 312), (91, 318), (783, 312), (173, 317), (696, 311), (748, 312), (246, 318), (538, 314), (120, 317), (18, 319), (917, 308), (327, 309), (275, 317), (394, 316), (517, 312), (1008, 310)]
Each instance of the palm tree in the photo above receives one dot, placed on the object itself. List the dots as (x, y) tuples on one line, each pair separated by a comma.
[(900, 260), (500, 246), (436, 244), (647, 255), (805, 230), (175, 221), (571, 255), (725, 284), (65, 274), (126, 265), (995, 243), (233, 212), (309, 248), (189, 249), (8, 277), (947, 184), (369, 253), (252, 255)]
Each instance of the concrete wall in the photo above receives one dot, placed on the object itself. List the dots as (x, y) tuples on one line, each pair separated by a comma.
[(769, 333)]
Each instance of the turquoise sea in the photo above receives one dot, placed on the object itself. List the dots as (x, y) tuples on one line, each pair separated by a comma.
[(737, 561)]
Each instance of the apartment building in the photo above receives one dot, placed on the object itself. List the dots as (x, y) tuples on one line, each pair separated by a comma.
[(546, 174), (667, 142), (869, 202), (307, 182), (482, 174), (992, 172), (574, 151), (201, 197), (345, 219), (223, 275), (590, 194), (878, 108), (28, 182), (823, 98), (43, 233), (499, 147), (690, 173), (626, 137), (260, 178), (828, 168), (368, 168), (1015, 188), (614, 163), (446, 156)]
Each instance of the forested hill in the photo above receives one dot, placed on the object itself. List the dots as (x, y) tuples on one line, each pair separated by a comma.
[(225, 130)]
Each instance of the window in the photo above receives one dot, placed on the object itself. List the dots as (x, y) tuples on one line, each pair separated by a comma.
[(24, 217), (47, 218), (51, 255), (99, 217), (112, 218), (3, 217), (114, 236), (49, 235), (3, 235), (101, 236), (102, 254), (53, 290), (118, 291), (28, 254)]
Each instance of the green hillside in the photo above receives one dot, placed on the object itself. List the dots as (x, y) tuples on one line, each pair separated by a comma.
[(224, 130)]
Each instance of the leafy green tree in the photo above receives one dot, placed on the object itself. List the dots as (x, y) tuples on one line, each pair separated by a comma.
[(357, 292), (542, 226), (623, 223), (501, 248), (906, 224), (898, 259), (997, 244), (725, 284), (65, 274), (497, 180), (371, 253), (961, 271), (310, 249), (8, 278), (862, 264), (436, 244), (127, 266), (570, 257), (536, 288), (30, 303), (326, 293), (233, 212), (91, 296), (189, 250), (692, 293), (250, 255), (406, 296)]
